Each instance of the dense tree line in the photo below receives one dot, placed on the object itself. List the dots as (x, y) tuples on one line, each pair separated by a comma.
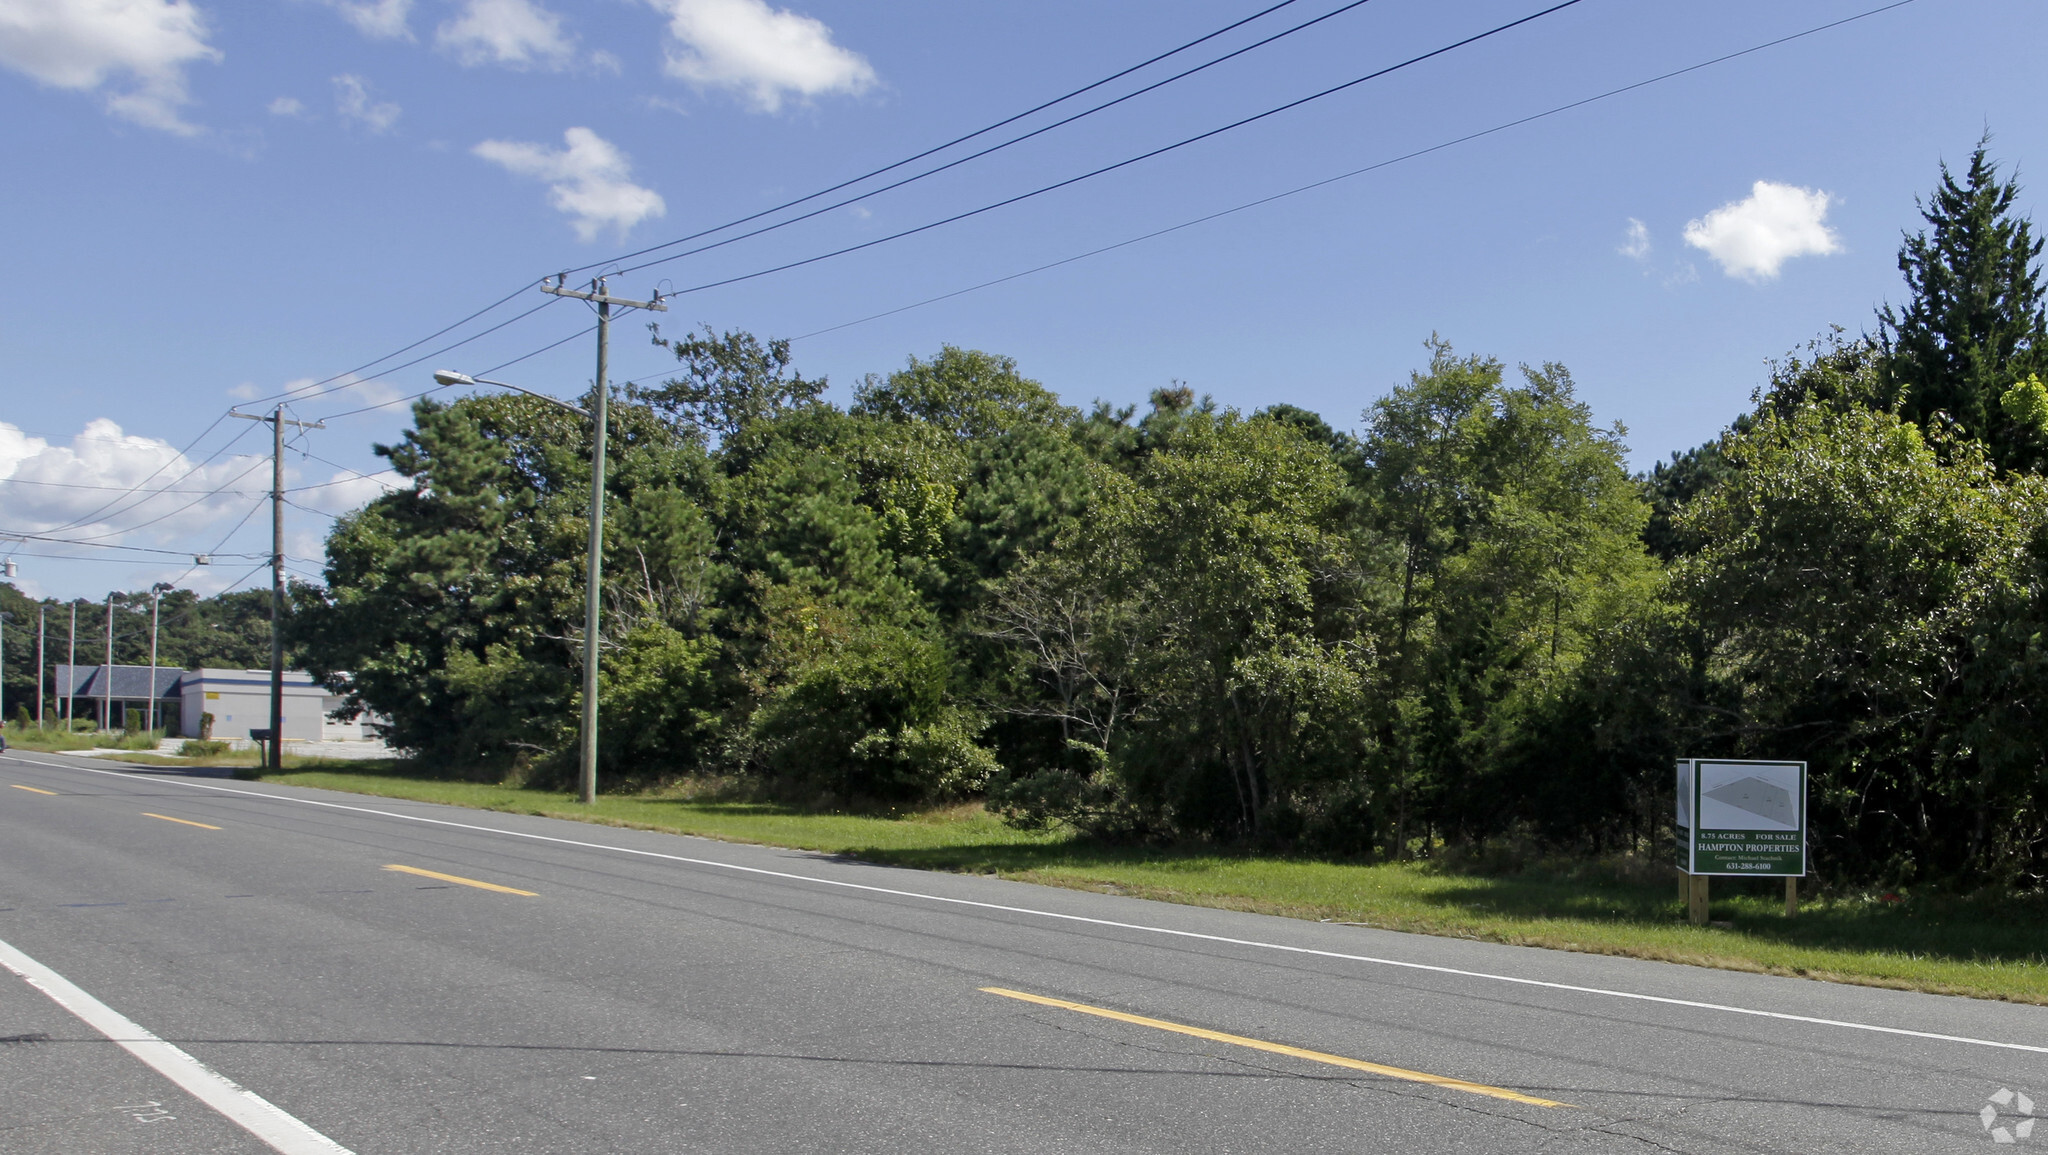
[(230, 630), (1463, 621)]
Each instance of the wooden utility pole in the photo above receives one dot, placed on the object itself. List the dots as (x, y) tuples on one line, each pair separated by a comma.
[(586, 773), (274, 758), (107, 690)]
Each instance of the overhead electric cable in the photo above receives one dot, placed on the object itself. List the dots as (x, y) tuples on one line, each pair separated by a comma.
[(485, 373), (1407, 156), (107, 545), (973, 156), (935, 149), (1108, 168), (295, 393), (353, 475), (430, 356), (89, 518), (258, 464)]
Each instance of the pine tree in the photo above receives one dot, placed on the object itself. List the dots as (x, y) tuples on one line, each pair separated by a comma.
[(1974, 325)]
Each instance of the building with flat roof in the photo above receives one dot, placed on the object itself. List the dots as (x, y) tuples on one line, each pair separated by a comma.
[(239, 701), (91, 687)]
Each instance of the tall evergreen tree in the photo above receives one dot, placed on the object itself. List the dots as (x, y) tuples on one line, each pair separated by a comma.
[(1974, 326)]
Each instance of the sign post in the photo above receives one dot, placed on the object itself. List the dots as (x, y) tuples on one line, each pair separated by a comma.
[(1740, 818)]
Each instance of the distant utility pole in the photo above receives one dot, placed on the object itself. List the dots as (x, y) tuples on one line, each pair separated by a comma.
[(39, 665), (71, 669), (107, 691), (277, 421), (586, 777)]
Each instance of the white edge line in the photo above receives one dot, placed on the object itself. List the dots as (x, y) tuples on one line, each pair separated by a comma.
[(241, 1106), (1052, 914)]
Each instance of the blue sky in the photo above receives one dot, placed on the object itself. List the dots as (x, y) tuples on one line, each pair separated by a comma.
[(213, 203)]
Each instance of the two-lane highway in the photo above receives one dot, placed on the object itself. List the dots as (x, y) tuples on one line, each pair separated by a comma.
[(210, 965)]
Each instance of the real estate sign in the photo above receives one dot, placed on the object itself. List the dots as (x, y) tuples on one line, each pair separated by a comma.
[(1742, 818)]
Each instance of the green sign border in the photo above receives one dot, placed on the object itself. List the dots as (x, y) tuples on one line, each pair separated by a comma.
[(1761, 853)]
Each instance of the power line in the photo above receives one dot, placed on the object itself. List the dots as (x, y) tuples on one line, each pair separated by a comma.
[(188, 505), (103, 488), (293, 393), (485, 373), (353, 475), (427, 356), (1108, 168), (316, 388), (913, 159), (106, 545), (973, 156), (1343, 176), (89, 518)]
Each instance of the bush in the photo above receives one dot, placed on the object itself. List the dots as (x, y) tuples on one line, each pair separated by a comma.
[(869, 719), (201, 748)]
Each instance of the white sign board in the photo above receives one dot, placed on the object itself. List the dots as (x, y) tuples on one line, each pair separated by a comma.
[(1740, 817)]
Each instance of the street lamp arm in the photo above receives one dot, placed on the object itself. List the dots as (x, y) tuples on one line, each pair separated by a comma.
[(451, 377)]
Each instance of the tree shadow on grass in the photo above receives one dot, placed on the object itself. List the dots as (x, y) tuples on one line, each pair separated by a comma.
[(1992, 929)]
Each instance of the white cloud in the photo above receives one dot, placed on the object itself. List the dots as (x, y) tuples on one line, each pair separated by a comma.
[(763, 53), (1753, 238), (44, 486), (378, 19), (352, 100), (515, 33), (83, 44), (590, 180), (1637, 246), (287, 106)]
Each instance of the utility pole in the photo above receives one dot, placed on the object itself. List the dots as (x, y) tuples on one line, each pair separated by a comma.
[(586, 774), (71, 667), (156, 593), (39, 665), (107, 690), (277, 421)]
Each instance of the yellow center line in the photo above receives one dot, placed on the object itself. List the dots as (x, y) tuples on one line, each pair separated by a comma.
[(183, 821), (1282, 1049), (32, 790), (464, 881)]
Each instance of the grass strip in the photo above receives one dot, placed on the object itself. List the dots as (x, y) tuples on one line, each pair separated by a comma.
[(1982, 946)]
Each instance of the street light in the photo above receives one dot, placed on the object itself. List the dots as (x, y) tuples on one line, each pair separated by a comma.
[(586, 773), (155, 592)]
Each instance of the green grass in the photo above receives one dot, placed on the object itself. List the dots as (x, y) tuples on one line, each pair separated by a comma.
[(55, 740), (1982, 946)]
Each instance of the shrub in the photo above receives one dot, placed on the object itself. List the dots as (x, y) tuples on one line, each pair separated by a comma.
[(201, 748), (868, 718)]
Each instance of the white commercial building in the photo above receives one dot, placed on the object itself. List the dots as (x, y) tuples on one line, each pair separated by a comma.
[(239, 701)]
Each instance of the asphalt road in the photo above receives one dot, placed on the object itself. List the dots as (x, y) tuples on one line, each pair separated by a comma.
[(652, 993)]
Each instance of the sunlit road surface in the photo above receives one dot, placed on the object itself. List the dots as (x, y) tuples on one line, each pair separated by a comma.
[(195, 964)]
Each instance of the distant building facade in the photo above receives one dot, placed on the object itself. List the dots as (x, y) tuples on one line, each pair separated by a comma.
[(106, 693), (239, 701)]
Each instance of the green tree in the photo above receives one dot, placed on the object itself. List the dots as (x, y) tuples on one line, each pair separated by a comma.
[(1852, 571), (1518, 535), (728, 380), (1228, 554), (1973, 323)]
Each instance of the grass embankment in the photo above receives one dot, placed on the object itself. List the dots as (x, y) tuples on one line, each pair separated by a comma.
[(1984, 946)]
